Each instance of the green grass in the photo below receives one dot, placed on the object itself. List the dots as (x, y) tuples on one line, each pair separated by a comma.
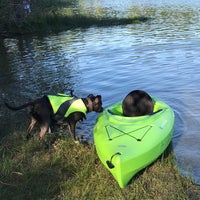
[(29, 170), (54, 16)]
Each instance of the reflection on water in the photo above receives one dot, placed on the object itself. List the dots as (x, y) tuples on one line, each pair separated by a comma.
[(161, 56)]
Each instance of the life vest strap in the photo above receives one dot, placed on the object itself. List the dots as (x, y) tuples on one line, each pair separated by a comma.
[(59, 115)]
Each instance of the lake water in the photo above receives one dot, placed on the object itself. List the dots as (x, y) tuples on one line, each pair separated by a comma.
[(160, 56)]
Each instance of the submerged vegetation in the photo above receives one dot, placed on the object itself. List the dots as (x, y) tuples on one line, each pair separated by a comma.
[(53, 16), (29, 170)]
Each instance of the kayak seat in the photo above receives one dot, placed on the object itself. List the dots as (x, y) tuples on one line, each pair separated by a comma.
[(156, 112), (118, 110), (120, 114), (115, 113)]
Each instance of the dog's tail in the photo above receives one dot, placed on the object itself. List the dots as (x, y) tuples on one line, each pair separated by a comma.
[(18, 107)]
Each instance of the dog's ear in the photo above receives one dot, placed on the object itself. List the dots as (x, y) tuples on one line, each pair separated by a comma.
[(97, 104), (72, 92), (91, 96), (98, 98)]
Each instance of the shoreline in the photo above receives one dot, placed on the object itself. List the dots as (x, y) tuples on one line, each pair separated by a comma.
[(43, 20), (75, 171)]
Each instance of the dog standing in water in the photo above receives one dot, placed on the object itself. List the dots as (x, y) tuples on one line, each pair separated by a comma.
[(137, 103), (52, 110)]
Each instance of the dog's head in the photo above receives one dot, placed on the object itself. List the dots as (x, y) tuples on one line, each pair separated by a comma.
[(94, 103)]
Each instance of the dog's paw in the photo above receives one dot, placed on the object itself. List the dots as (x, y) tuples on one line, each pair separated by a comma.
[(54, 147), (77, 141), (83, 139)]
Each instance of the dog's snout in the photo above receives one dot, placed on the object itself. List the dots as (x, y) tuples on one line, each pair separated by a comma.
[(101, 109)]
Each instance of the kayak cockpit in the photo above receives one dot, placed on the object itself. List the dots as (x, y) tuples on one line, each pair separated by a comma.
[(117, 110)]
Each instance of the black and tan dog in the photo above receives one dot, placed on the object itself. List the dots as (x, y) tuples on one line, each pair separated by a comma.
[(55, 110), (137, 103)]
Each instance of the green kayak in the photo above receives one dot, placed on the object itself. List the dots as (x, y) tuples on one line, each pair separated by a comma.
[(126, 145)]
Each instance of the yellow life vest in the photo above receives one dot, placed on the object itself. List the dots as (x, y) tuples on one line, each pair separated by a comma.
[(67, 104)]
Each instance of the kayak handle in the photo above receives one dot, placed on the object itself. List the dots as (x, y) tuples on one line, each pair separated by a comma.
[(109, 162)]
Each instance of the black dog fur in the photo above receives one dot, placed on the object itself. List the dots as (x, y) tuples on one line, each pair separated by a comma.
[(137, 103), (41, 112)]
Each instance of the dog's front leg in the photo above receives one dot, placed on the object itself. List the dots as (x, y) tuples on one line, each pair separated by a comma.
[(72, 127), (43, 129)]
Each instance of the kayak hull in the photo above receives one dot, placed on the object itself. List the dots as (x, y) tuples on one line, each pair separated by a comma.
[(126, 145)]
